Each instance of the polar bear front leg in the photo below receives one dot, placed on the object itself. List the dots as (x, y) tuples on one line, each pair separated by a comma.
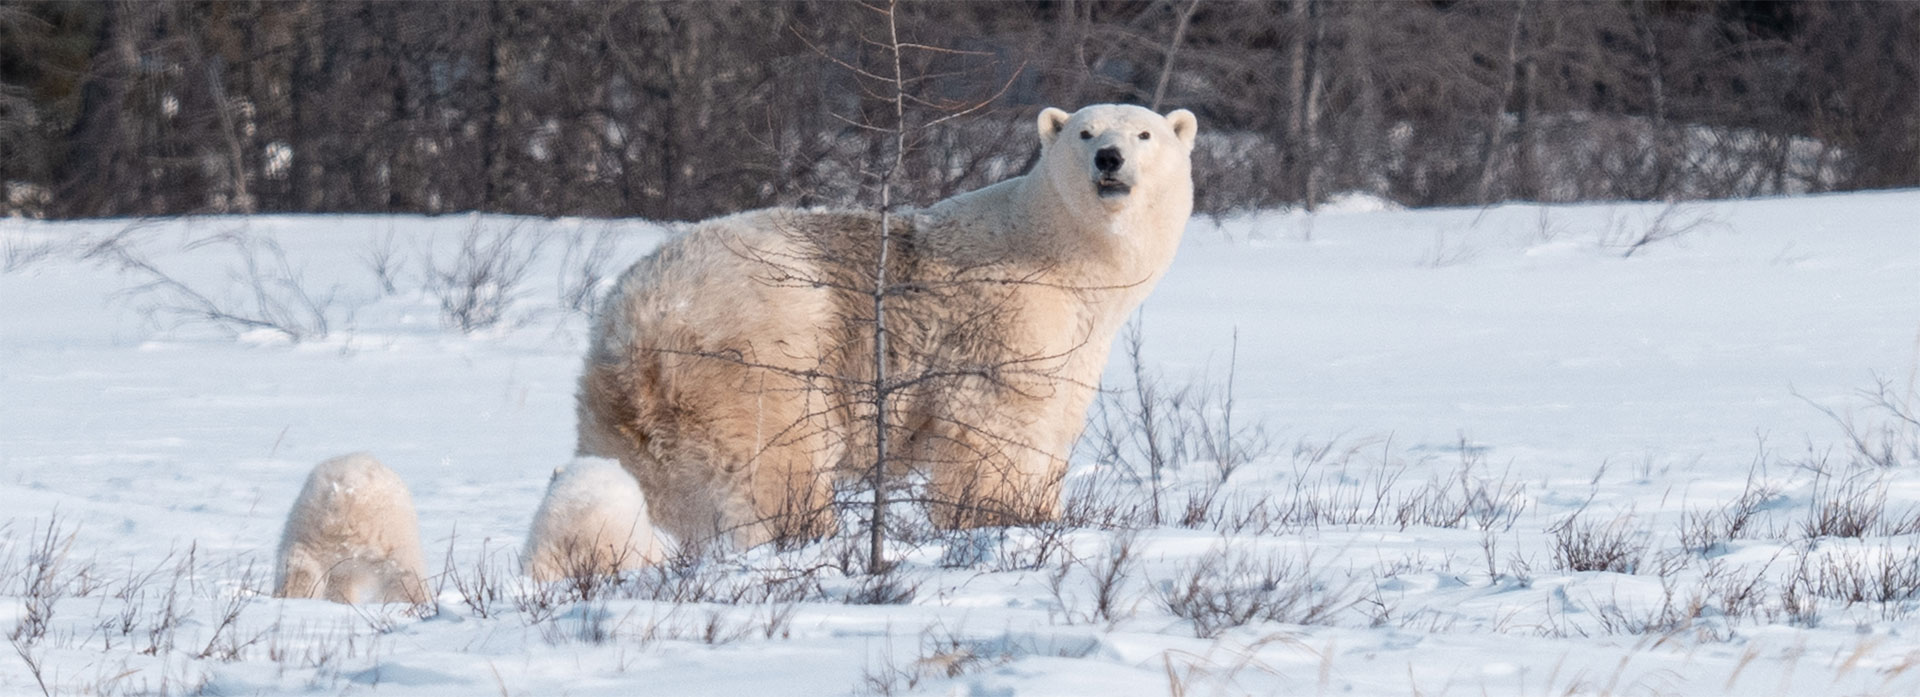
[(300, 577), (995, 492), (792, 501), (999, 466)]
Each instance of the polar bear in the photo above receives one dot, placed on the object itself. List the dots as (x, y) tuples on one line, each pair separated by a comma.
[(352, 537), (733, 370), (592, 521)]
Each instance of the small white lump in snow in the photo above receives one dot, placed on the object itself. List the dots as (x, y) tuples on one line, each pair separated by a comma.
[(352, 537), (592, 521)]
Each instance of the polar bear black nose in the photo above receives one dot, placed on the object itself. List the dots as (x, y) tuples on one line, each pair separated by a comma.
[(1108, 159)]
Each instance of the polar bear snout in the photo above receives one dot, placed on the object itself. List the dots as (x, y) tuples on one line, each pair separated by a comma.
[(1107, 180), (1109, 184)]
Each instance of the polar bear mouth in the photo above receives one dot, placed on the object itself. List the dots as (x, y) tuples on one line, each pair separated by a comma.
[(1109, 187)]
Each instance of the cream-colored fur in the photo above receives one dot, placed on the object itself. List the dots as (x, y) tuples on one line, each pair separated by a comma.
[(592, 521), (727, 370), (352, 537)]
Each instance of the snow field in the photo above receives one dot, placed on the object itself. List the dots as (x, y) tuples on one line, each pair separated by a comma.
[(1476, 451)]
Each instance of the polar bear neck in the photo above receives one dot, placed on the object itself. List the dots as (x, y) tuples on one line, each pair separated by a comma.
[(1026, 218)]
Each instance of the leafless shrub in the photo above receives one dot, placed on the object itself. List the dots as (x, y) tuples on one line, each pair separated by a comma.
[(588, 622), (1675, 219), (1892, 525), (692, 574), (1106, 579), (1519, 569), (138, 579), (1850, 507), (1199, 505), (1616, 617), (1890, 440), (1584, 545), (1230, 586), (17, 254), (481, 282), (274, 294), (1706, 531), (1545, 228), (1031, 547), (45, 579), (1156, 428), (590, 570), (387, 618), (714, 629), (1226, 445), (895, 586), (1098, 500), (1324, 492), (1093, 500), (1738, 592), (708, 575), (946, 655), (1797, 600), (584, 268), (777, 623), (382, 257), (1445, 253), (1327, 491), (1856, 574), (25, 651), (713, 626), (305, 646), (226, 644), (147, 622), (1708, 607), (1142, 429), (480, 584), (942, 654), (885, 677), (536, 602), (164, 622), (1466, 498)]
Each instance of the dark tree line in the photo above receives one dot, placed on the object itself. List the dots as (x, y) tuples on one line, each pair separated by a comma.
[(679, 110)]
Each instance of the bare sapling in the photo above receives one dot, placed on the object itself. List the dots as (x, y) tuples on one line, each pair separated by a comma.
[(273, 294), (478, 286), (1674, 220)]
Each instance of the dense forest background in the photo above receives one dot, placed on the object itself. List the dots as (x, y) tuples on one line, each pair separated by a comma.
[(678, 110)]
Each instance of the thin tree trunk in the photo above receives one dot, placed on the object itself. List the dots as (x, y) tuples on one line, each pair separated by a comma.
[(98, 136), (1663, 159), (490, 161), (1366, 134), (1296, 95), (1496, 119), (1173, 48), (876, 530), (1316, 77), (239, 199)]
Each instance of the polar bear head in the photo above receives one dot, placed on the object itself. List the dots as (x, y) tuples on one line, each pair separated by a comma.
[(1119, 157)]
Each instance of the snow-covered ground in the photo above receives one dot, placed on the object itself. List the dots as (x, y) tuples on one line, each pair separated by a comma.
[(1455, 402)]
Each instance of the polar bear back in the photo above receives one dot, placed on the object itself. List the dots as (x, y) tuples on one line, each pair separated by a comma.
[(592, 520), (352, 536)]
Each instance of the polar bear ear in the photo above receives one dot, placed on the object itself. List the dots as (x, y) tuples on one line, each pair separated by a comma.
[(1052, 121), (1184, 125)]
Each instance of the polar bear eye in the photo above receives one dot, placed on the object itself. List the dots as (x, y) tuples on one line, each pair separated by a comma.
[(1145, 135), (1086, 135)]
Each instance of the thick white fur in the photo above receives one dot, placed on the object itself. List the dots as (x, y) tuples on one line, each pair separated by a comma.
[(352, 537), (593, 520), (704, 373)]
